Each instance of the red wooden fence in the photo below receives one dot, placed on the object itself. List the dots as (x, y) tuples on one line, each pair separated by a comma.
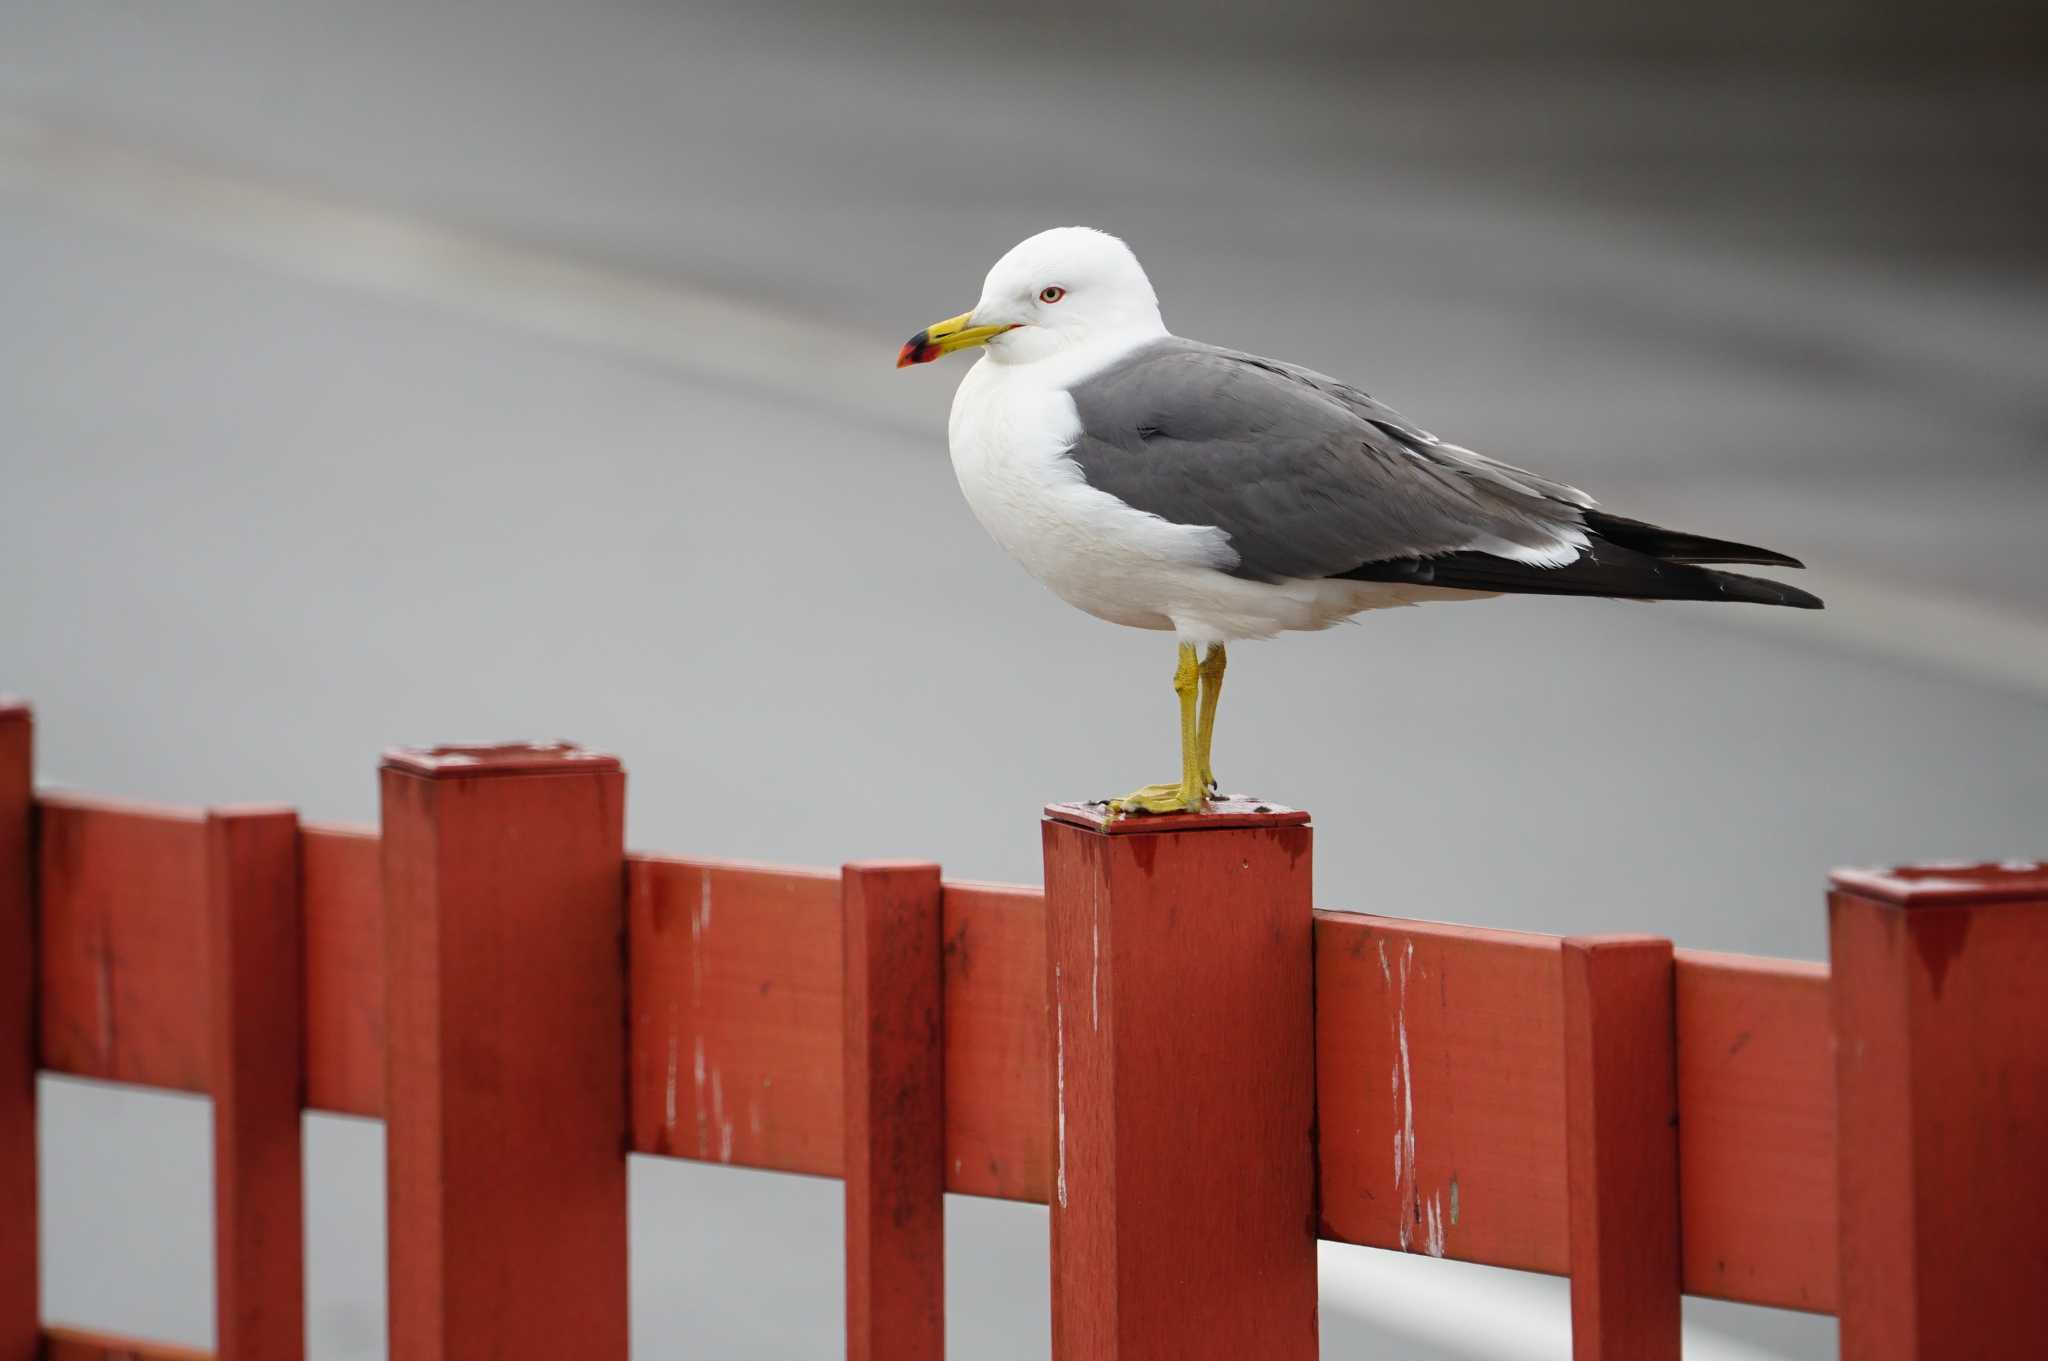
[(1195, 1071)]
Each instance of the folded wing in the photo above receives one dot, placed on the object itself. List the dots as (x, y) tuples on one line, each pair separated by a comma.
[(1311, 477)]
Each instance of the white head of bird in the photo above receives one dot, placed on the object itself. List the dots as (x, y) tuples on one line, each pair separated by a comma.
[(1053, 292)]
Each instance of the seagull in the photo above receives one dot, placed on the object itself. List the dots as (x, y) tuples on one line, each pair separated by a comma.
[(1162, 483)]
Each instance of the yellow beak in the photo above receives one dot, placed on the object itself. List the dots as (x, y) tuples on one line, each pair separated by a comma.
[(944, 337)]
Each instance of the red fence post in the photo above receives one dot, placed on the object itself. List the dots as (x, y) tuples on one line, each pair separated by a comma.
[(504, 883), (895, 1112), (258, 1083), (1621, 1147), (20, 1336), (1940, 980), (1180, 1000)]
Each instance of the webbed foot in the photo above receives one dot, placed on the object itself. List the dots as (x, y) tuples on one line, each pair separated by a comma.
[(1162, 798)]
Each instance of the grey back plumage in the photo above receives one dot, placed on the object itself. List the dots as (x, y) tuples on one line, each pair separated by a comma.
[(1309, 476)]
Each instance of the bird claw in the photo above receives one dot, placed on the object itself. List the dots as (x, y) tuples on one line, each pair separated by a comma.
[(1162, 798)]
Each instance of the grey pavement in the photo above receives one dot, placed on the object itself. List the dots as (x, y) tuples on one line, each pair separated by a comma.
[(392, 374)]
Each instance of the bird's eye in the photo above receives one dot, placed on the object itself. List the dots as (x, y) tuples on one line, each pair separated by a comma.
[(1051, 294)]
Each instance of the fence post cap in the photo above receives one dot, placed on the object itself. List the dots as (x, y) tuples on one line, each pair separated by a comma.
[(13, 708), (1947, 883), (1225, 810), (459, 760)]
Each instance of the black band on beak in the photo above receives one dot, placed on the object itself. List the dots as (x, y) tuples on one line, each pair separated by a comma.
[(918, 350)]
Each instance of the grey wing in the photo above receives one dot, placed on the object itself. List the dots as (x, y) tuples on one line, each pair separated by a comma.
[(1427, 446), (1309, 477)]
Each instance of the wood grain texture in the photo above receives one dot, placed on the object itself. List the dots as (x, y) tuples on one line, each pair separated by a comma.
[(123, 942), (895, 1161), (506, 1128), (1182, 1096), (1440, 1073), (79, 1344), (735, 1021), (1621, 1146), (96, 941), (997, 1049), (758, 984), (342, 897), (1756, 1129), (19, 1332), (1940, 1010), (737, 1016), (258, 1083)]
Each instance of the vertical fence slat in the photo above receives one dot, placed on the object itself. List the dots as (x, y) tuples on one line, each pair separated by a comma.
[(19, 1334), (258, 1083), (895, 1112), (504, 874), (1179, 992), (1942, 1090), (1621, 1147), (1756, 1130)]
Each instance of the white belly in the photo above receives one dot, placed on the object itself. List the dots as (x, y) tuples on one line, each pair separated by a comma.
[(1009, 435)]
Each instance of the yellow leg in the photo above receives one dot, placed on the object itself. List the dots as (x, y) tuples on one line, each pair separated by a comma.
[(1213, 663), (1188, 796)]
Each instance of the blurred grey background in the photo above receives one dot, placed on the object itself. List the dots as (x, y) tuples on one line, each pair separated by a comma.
[(386, 372)]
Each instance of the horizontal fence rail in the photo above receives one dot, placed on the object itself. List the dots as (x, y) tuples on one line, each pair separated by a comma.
[(1452, 1066), (736, 1030)]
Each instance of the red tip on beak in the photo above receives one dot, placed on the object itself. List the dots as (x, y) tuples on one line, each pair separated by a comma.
[(917, 350)]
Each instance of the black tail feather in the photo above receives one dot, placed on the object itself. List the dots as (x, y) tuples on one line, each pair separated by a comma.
[(1673, 546), (1606, 569)]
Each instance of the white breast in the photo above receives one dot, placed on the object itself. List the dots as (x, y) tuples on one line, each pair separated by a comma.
[(1009, 434)]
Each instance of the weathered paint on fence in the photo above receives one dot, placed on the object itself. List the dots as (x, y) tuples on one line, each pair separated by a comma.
[(1756, 1130), (758, 986), (254, 977), (504, 882), (1182, 1101), (1440, 1062), (895, 1067), (1445, 1058), (1621, 1147), (1940, 996)]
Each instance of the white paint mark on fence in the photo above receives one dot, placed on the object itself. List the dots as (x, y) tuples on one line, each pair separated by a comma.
[(718, 1117), (1059, 1021), (668, 1108), (1095, 963), (700, 917), (703, 1117), (1407, 1100), (1433, 1242), (1406, 1173)]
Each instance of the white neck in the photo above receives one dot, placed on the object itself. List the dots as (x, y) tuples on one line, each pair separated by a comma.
[(1066, 361)]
